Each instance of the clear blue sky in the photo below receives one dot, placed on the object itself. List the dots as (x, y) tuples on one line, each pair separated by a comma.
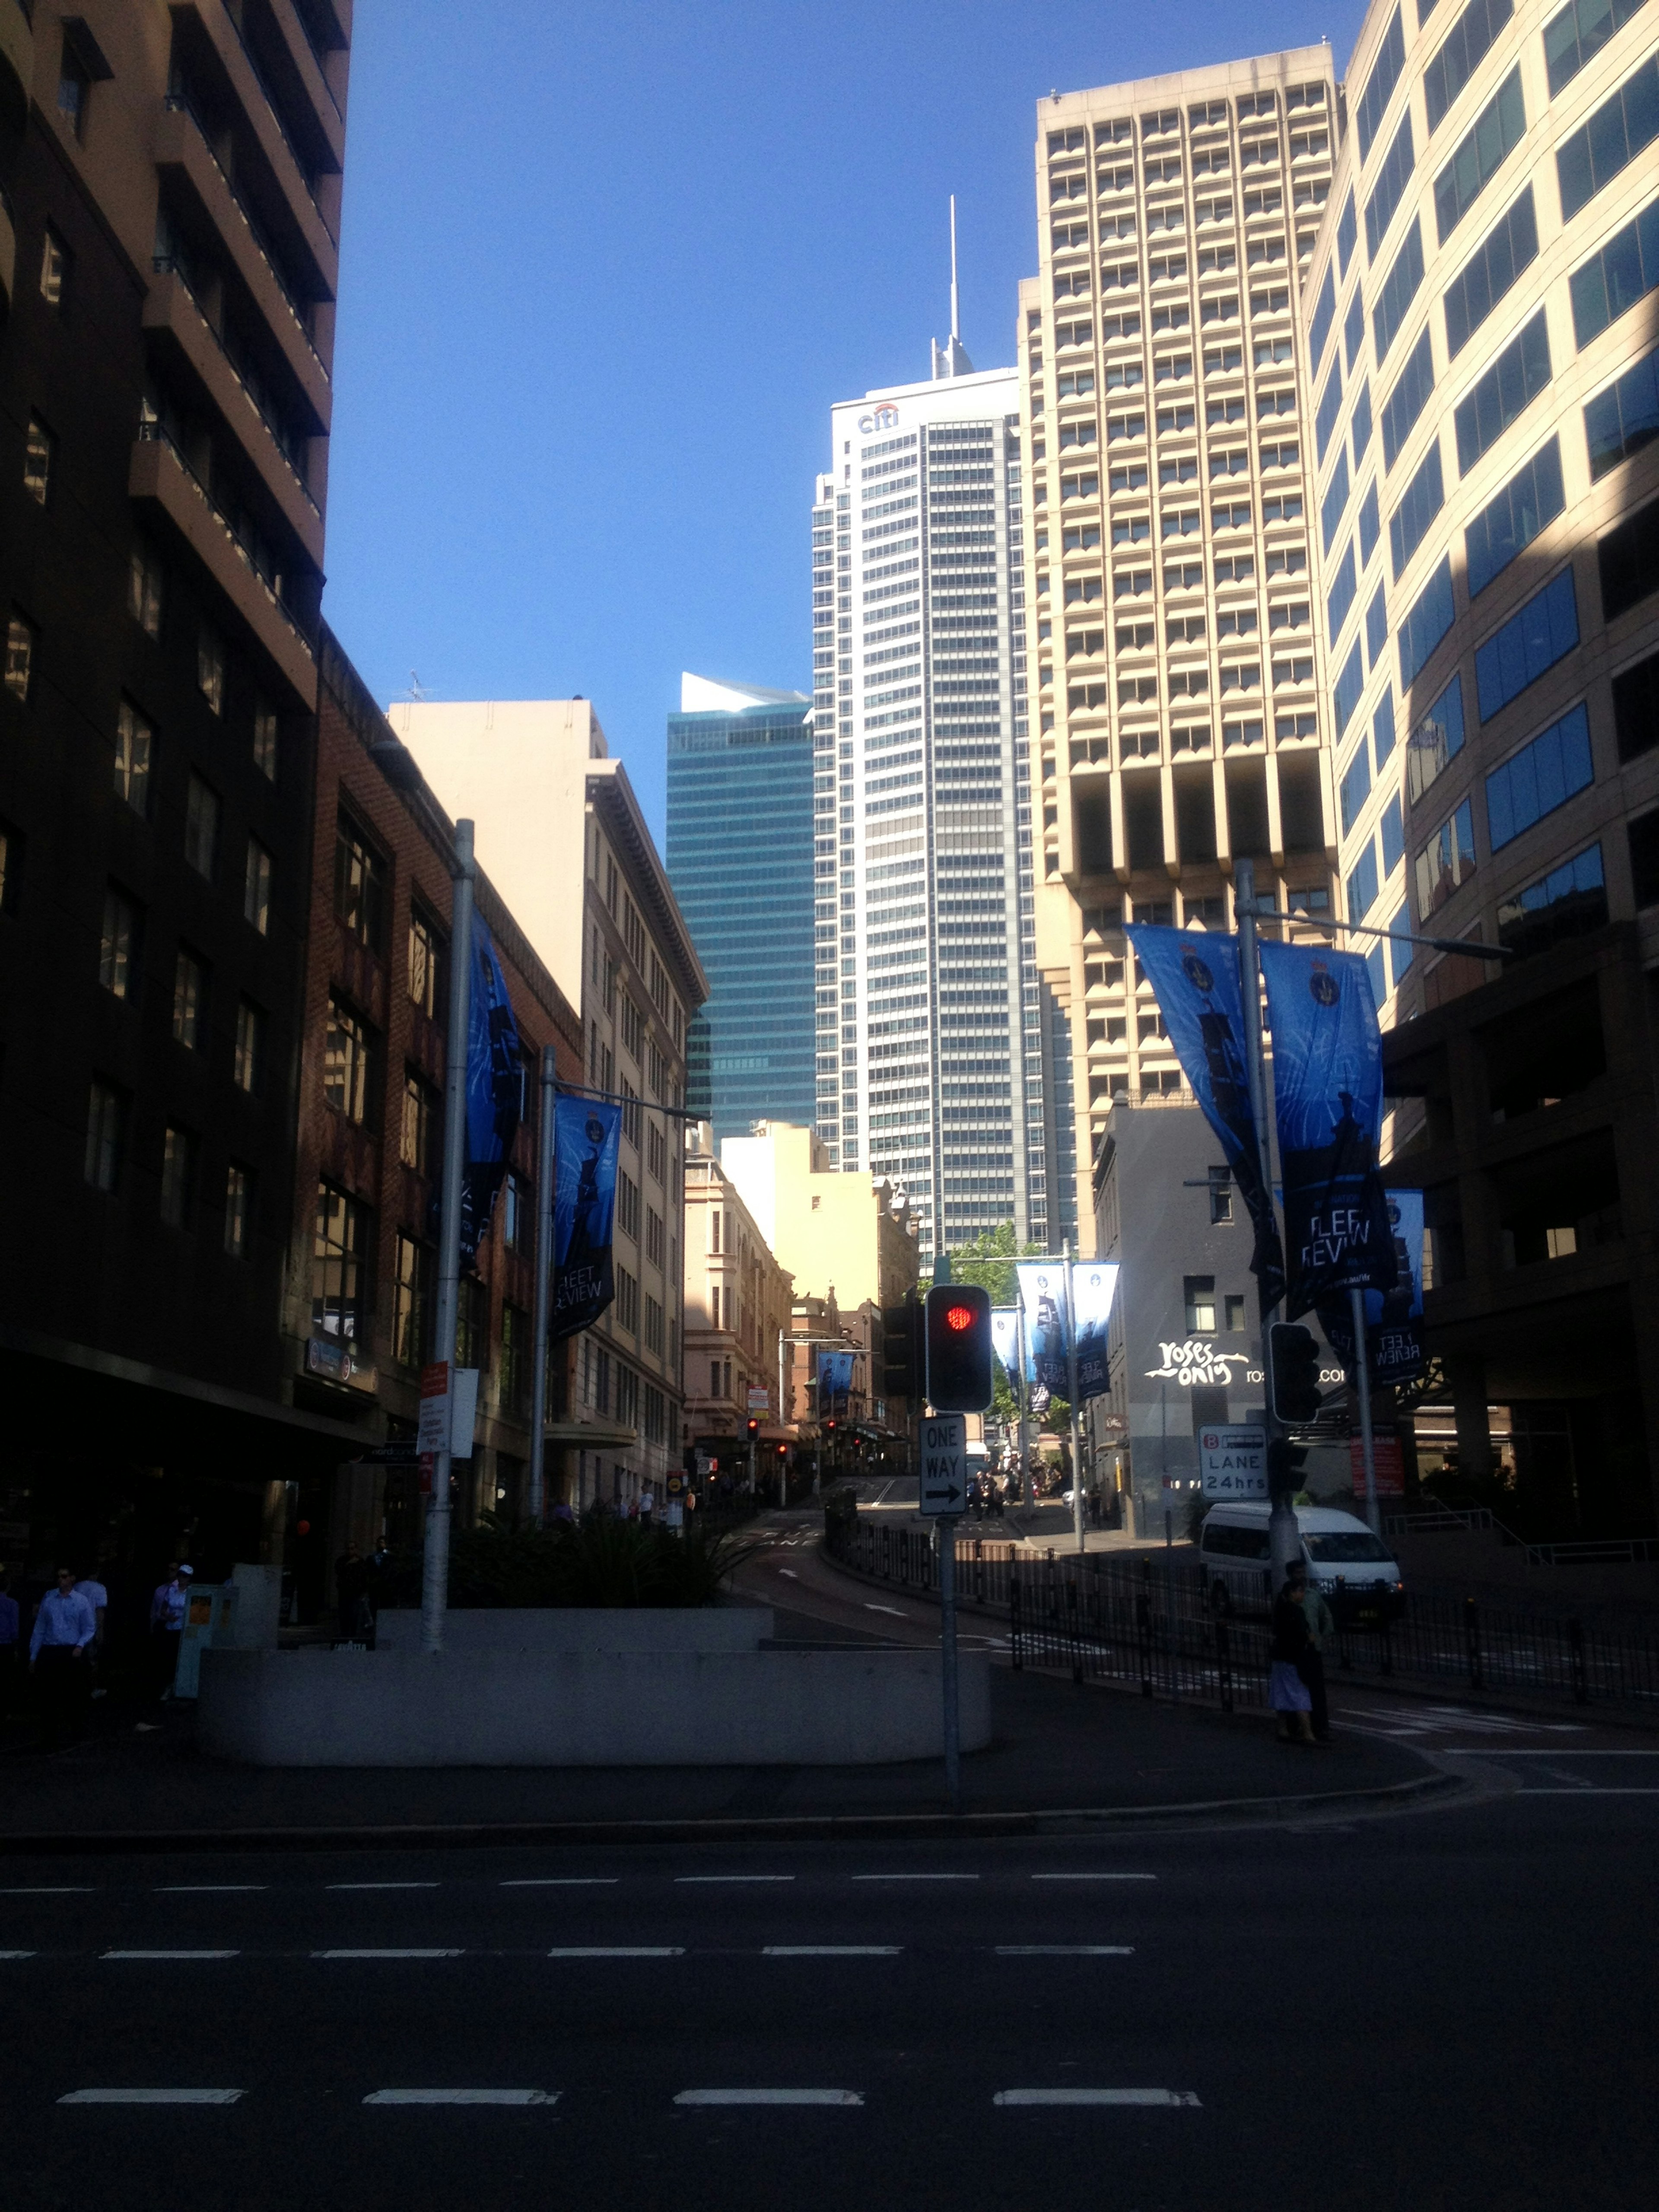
[(606, 267)]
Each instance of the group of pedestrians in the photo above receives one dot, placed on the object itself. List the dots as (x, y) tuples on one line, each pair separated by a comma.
[(1303, 1625), (65, 1653)]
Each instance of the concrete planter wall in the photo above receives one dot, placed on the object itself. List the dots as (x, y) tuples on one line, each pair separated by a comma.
[(583, 1628), (588, 1707)]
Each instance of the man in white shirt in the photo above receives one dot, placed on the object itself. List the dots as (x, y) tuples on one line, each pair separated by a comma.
[(65, 1628), (167, 1622)]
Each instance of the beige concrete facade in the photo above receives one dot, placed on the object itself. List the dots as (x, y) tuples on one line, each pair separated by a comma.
[(557, 821), (835, 1233), (1176, 677), (738, 1303)]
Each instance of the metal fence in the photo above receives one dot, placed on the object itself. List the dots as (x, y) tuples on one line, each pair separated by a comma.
[(1136, 1618)]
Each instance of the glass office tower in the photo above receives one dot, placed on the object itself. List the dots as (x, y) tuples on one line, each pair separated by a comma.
[(741, 862)]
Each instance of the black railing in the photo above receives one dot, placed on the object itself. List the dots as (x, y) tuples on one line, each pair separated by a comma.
[(1131, 1618)]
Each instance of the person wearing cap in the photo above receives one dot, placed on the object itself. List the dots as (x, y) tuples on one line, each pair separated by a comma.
[(1287, 1692), (167, 1625)]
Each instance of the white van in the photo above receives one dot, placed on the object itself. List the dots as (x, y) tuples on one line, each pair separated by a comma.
[(1353, 1570)]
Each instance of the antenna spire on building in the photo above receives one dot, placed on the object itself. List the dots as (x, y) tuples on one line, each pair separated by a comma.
[(951, 359)]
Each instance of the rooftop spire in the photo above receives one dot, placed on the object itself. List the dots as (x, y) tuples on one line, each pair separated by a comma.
[(951, 359)]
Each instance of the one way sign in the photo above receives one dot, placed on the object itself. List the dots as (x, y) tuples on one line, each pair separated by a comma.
[(945, 1463)]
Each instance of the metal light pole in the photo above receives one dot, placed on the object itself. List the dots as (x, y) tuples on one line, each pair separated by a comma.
[(543, 1290), (1023, 1401), (1284, 1543), (435, 1565), (1071, 1382), (1363, 1364)]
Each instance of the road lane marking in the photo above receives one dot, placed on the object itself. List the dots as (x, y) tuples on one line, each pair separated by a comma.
[(208, 1889), (1528, 1751), (564, 1881), (897, 1613), (1589, 1789), (1157, 2097), (17, 1955), (1094, 1877), (169, 1954), (382, 1885), (831, 1950), (57, 1889), (1065, 1950), (770, 2097), (915, 1877), (462, 2097), (153, 2097), (433, 1953), (732, 1877), (619, 1950)]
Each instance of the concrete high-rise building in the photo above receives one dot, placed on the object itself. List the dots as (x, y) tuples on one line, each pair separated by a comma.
[(740, 860), (1484, 291), (929, 1012), (1168, 544)]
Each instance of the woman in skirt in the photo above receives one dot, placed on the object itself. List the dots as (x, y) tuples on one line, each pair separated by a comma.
[(1287, 1692)]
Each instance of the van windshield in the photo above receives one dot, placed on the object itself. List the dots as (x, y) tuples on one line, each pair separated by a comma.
[(1346, 1545)]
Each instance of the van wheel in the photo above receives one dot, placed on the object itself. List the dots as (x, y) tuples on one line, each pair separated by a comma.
[(1221, 1603)]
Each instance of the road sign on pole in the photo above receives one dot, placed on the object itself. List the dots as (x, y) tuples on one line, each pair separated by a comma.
[(1233, 1462), (945, 1464)]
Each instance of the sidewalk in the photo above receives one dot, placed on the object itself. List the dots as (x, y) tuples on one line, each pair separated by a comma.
[(1062, 1758)]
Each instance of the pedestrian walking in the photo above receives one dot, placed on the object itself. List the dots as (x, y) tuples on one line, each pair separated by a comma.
[(11, 1630), (1287, 1692), (65, 1628), (1321, 1626), (167, 1626), (648, 1505), (351, 1574)]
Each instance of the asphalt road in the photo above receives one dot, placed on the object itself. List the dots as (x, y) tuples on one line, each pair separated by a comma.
[(1447, 2008)]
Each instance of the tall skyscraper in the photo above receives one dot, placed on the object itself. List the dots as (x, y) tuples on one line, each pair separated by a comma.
[(1168, 542), (929, 1012), (740, 860)]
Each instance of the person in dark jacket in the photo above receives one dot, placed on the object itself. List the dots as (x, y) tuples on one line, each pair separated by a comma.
[(1287, 1692)]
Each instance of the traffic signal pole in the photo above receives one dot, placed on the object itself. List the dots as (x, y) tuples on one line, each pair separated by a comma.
[(1283, 1541), (1363, 1369), (1076, 1418)]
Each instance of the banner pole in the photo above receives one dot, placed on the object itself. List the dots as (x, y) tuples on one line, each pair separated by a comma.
[(435, 1564), (1077, 1420), (1363, 1371), (1022, 1400), (538, 1500)]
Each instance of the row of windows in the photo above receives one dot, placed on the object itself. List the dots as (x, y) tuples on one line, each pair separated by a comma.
[(107, 1163), (120, 964)]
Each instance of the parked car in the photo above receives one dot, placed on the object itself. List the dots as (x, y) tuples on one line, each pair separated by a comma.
[(1353, 1570)]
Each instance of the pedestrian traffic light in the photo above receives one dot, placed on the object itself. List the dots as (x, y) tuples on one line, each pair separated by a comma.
[(901, 1351), (1293, 1394), (959, 1339)]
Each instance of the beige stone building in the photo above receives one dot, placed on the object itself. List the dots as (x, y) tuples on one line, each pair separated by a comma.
[(1175, 666), (738, 1305), (560, 835), (832, 1230)]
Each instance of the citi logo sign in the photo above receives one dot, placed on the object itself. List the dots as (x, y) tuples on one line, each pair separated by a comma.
[(881, 418)]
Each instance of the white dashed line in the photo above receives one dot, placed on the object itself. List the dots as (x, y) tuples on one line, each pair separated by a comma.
[(770, 2097), (209, 1888), (1065, 1950), (680, 1878), (17, 1955), (564, 1881), (897, 1614), (169, 1954), (619, 1951), (832, 1950), (153, 2097), (1094, 1877), (456, 1953), (58, 1889), (915, 1877), (462, 2097), (382, 1885), (1163, 2097)]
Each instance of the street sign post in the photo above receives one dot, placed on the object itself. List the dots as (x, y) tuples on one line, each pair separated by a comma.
[(945, 1464), (1233, 1463), (945, 1495)]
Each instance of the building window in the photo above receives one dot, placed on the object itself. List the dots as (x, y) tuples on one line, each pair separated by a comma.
[(347, 1064), (339, 1266), (628, 1301), (654, 1239), (135, 744), (1236, 1321), (653, 1324), (1569, 900), (202, 827), (265, 738), (106, 1114), (412, 1310), (713, 1378), (178, 1176), (188, 1001), (74, 91), (40, 450), (628, 1205), (515, 1357), (144, 590), (359, 884), (1201, 1304), (54, 268), (238, 1213), (248, 1066), (1221, 1195), (1541, 777), (418, 1145), (22, 641), (210, 668), (117, 946), (471, 1323), (518, 1215), (425, 952), (1446, 862), (256, 887)]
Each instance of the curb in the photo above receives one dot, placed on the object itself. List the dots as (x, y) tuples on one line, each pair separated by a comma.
[(801, 1828)]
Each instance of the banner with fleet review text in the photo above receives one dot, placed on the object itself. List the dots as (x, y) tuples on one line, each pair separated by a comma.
[(1005, 1342), (1328, 1101), (494, 1089), (586, 1131), (1195, 977), (1042, 1294), (1394, 1319), (835, 1381), (1093, 1283)]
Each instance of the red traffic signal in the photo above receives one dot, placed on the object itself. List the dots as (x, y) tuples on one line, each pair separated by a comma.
[(783, 1451), (754, 1427), (959, 1338)]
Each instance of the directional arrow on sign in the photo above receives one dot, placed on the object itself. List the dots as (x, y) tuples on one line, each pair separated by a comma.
[(945, 1464)]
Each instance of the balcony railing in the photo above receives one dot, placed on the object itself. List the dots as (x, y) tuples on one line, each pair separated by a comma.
[(168, 264), (152, 433), (178, 103), (300, 162)]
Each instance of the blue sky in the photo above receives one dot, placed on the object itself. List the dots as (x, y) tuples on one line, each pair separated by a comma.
[(604, 270)]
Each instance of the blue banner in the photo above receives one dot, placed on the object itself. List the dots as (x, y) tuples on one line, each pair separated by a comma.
[(1093, 1283), (1048, 1363), (1195, 978), (1394, 1319), (585, 1137), (494, 1089), (834, 1382), (1005, 1342), (1327, 1098)]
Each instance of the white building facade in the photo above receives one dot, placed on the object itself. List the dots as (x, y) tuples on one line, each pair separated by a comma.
[(930, 1014)]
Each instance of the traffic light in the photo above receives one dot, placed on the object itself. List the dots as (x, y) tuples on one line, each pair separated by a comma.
[(1293, 1394), (901, 1350), (753, 1428), (958, 1348)]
